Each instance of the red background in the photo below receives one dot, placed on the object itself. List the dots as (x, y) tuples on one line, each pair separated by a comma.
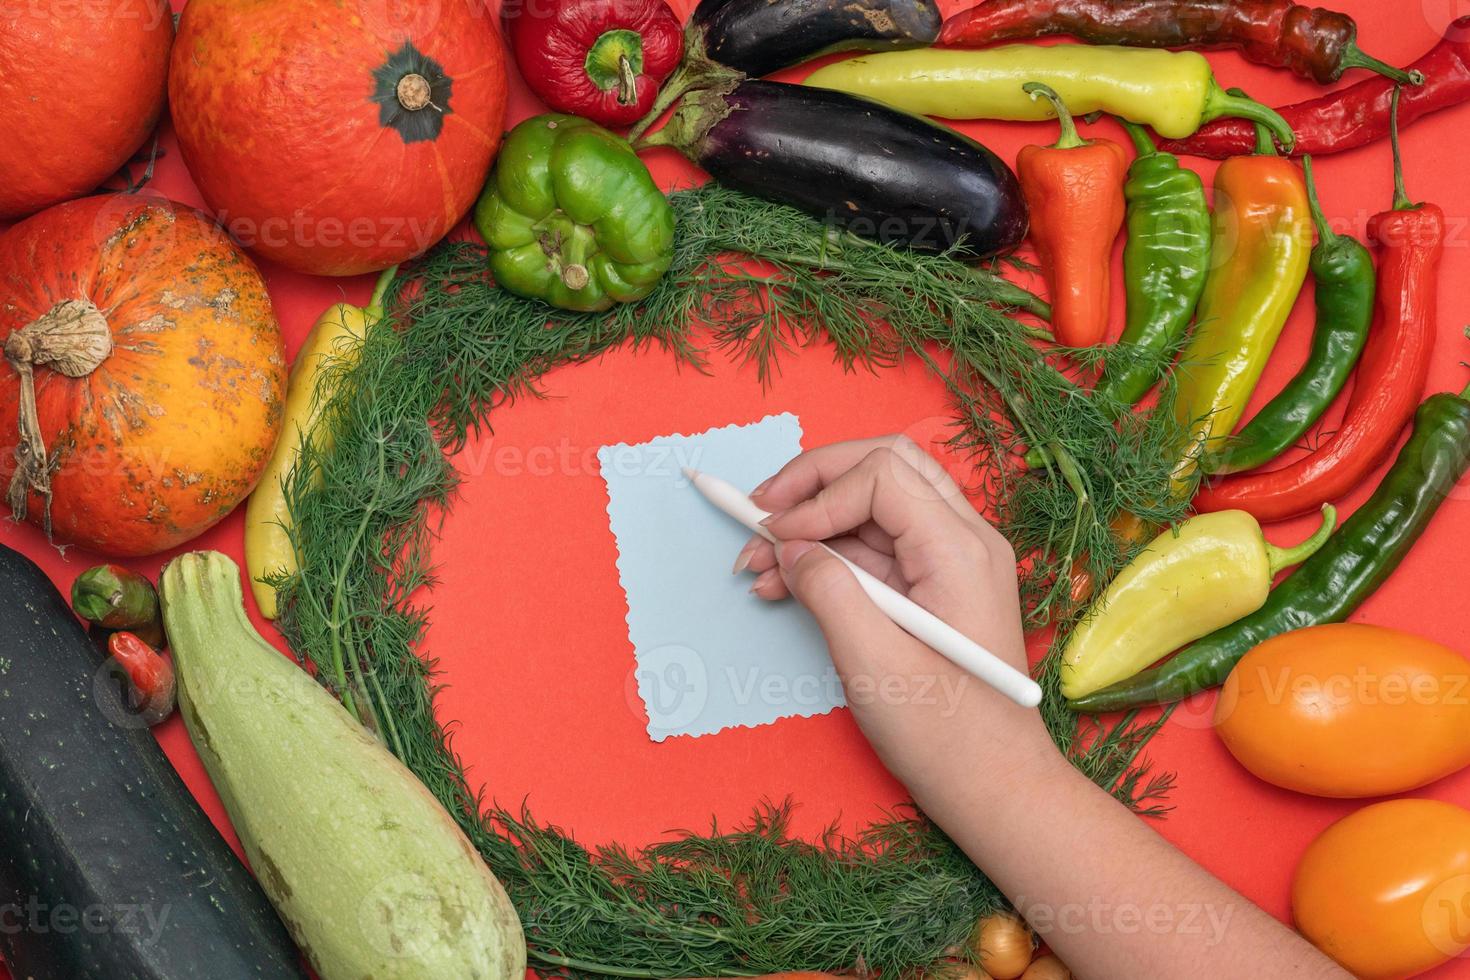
[(528, 623)]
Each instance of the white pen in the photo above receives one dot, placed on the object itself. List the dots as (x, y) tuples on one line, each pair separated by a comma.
[(913, 618)]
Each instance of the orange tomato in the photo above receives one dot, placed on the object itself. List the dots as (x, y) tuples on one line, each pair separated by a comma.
[(1385, 891), (1348, 710)]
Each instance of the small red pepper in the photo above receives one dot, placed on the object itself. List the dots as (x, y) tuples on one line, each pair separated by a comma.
[(1313, 42), (1390, 377), (1353, 116), (1074, 190), (600, 59), (151, 676)]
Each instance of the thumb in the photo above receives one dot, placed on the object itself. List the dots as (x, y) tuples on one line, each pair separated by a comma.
[(857, 632)]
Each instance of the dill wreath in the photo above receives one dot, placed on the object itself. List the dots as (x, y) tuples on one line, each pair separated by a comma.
[(749, 900)]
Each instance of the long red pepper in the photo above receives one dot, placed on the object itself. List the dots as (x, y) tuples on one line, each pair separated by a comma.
[(1354, 116), (1315, 43), (1390, 377)]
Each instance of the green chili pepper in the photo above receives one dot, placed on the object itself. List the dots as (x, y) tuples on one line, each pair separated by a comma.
[(1327, 587), (1343, 271), (1164, 266), (573, 217)]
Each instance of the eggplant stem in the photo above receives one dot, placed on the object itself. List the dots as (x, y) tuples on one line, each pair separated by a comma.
[(695, 72)]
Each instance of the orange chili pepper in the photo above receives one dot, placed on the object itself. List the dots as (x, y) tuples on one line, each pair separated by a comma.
[(1074, 189)]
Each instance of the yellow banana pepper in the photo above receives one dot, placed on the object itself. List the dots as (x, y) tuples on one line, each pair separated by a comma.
[(336, 335), (1173, 91), (1262, 244), (1190, 581)]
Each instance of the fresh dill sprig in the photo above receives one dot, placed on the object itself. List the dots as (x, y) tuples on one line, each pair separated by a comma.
[(366, 505)]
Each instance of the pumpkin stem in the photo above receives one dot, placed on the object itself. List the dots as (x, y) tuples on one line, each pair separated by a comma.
[(72, 339), (414, 92)]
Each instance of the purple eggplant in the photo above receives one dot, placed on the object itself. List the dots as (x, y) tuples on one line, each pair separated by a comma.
[(727, 41), (856, 163), (758, 37)]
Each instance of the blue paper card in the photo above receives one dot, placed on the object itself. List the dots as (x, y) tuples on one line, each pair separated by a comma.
[(709, 654)]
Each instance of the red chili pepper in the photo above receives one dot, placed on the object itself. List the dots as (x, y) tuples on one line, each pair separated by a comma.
[(1354, 116), (1315, 43), (1390, 377), (600, 59), (151, 676), (1074, 190)]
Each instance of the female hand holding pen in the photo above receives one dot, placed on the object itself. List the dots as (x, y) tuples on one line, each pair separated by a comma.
[(1043, 832)]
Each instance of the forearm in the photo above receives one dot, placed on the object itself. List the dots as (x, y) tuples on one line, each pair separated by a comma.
[(1110, 896)]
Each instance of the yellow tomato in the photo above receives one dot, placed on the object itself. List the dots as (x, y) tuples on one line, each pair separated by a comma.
[(1385, 891), (1348, 711)]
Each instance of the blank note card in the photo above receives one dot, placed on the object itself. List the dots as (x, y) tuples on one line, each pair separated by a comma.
[(709, 654)]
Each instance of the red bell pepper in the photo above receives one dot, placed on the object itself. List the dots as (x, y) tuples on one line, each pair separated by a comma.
[(600, 59)]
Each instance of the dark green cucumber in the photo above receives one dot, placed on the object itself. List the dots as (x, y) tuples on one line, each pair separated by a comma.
[(109, 870)]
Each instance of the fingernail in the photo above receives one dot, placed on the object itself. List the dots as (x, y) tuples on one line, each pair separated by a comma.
[(767, 520), (742, 560), (762, 488), (788, 553), (762, 580)]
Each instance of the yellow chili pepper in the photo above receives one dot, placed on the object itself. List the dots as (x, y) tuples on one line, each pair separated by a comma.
[(1173, 91), (1190, 581), (335, 337), (1262, 243)]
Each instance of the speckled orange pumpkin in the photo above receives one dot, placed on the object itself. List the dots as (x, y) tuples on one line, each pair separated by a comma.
[(81, 87), (157, 368), (338, 136)]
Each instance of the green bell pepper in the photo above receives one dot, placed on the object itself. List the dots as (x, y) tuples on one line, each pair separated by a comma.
[(573, 217)]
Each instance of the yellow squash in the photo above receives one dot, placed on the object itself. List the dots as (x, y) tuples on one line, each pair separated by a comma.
[(269, 552), (1190, 581)]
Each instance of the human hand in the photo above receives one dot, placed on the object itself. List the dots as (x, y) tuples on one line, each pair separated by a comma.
[(889, 507)]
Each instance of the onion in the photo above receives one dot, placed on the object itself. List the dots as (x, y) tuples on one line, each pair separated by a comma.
[(1047, 967), (1002, 944), (968, 971)]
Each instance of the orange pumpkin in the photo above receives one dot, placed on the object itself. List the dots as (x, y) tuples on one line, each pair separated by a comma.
[(1348, 710), (147, 339), (81, 87), (338, 136), (1385, 891)]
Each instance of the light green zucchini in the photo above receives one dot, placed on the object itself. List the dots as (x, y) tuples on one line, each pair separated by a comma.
[(370, 874)]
